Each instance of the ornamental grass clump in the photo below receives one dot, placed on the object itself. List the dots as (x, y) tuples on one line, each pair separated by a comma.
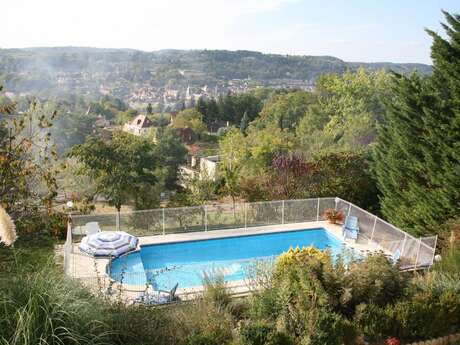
[(7, 228), (45, 308)]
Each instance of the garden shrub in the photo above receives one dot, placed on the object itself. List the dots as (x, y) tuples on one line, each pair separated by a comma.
[(372, 322), (327, 328), (280, 338), (311, 273), (239, 308), (215, 290), (256, 333), (200, 339), (297, 256), (267, 303), (262, 333), (426, 316), (374, 280), (435, 282), (142, 325), (204, 319)]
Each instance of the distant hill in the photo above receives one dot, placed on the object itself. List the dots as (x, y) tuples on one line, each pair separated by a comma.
[(164, 77)]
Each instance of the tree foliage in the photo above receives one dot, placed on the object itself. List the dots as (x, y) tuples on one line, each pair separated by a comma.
[(27, 170), (417, 157), (345, 113), (232, 108), (190, 118), (343, 174), (123, 169), (285, 110), (171, 153)]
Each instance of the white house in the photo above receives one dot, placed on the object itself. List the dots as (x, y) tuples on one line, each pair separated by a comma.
[(139, 126), (202, 168), (208, 167)]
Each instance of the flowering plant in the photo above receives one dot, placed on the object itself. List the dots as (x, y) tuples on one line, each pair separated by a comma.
[(334, 216), (392, 341)]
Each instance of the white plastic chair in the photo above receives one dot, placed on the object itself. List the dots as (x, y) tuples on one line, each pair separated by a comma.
[(92, 228)]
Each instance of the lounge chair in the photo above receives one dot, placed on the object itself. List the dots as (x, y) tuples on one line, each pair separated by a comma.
[(157, 296), (92, 228), (350, 228), (395, 257)]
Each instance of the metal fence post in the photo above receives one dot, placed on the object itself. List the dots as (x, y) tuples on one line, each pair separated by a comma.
[(418, 252), (245, 215), (403, 245), (317, 211), (349, 209), (282, 212), (163, 213), (373, 228), (117, 221), (205, 218), (434, 248)]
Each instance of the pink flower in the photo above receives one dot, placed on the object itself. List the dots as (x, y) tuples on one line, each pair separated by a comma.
[(392, 341)]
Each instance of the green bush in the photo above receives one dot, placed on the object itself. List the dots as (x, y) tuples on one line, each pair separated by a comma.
[(326, 328), (200, 339), (262, 333), (426, 316), (279, 338), (374, 280), (201, 318), (449, 241), (239, 308), (215, 290), (256, 333), (310, 278), (372, 322), (142, 325), (266, 304)]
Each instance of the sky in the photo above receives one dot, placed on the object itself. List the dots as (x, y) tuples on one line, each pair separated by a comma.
[(353, 30)]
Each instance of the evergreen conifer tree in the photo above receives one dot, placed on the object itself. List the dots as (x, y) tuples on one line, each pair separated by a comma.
[(417, 155), (149, 109)]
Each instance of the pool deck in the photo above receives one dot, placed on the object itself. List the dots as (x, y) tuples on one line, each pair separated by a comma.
[(91, 270)]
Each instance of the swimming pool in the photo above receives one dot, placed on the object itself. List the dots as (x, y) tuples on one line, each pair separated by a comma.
[(164, 265)]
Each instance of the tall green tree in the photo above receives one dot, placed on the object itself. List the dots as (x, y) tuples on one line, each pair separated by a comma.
[(286, 110), (399, 160), (345, 113), (71, 129), (201, 106), (171, 153), (123, 169), (149, 109), (417, 156), (191, 118), (231, 183)]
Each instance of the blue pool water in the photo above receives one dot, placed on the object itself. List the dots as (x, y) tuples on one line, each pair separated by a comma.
[(186, 262)]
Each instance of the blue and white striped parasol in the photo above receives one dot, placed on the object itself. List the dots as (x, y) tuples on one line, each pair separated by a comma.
[(108, 243)]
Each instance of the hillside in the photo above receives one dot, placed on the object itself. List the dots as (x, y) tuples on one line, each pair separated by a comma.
[(165, 78)]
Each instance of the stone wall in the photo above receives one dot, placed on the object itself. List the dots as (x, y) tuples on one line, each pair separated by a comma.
[(447, 340)]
